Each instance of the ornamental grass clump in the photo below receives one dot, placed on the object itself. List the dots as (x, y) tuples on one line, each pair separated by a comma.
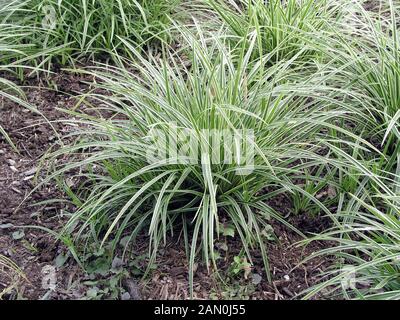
[(75, 29), (190, 149), (282, 27), (367, 246), (364, 59)]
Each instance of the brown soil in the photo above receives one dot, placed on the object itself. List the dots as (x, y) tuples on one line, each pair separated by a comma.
[(290, 276)]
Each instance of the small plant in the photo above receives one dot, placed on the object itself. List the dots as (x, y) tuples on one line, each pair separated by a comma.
[(315, 184), (240, 265)]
